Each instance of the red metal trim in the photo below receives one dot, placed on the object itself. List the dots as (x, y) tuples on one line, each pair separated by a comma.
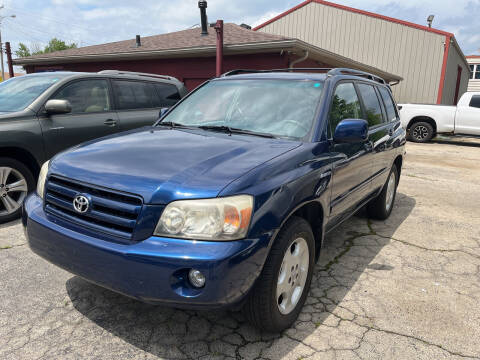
[(457, 86), (358, 11), (473, 56), (444, 69)]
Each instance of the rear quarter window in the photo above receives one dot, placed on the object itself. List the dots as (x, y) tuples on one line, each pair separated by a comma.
[(166, 95), (389, 104)]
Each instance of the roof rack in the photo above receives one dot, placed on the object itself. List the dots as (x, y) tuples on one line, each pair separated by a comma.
[(121, 72), (329, 71)]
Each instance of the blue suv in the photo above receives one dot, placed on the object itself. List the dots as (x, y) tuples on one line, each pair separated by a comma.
[(226, 200)]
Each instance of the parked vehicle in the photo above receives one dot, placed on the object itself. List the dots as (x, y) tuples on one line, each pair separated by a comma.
[(423, 122), (226, 201), (42, 114)]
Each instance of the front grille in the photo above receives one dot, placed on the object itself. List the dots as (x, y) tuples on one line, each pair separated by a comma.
[(110, 212)]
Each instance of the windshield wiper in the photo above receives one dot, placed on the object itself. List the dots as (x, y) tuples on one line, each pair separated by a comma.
[(171, 124), (230, 130)]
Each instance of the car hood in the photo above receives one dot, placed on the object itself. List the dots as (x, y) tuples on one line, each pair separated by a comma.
[(163, 165)]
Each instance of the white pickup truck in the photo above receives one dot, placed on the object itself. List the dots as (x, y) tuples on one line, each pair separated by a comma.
[(423, 122)]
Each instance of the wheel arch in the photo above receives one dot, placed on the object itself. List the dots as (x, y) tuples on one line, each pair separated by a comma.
[(423, 118), (398, 162), (24, 156)]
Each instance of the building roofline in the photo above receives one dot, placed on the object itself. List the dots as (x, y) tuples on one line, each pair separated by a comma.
[(358, 11), (193, 51), (473, 56)]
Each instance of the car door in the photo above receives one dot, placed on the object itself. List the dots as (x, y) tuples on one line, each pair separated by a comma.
[(352, 171), (92, 115), (467, 119), (136, 102), (379, 132)]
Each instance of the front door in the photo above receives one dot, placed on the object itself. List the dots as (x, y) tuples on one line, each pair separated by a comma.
[(467, 119), (92, 116), (352, 171)]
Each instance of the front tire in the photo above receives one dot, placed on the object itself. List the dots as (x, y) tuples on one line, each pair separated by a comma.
[(16, 181), (421, 132), (381, 207), (282, 288)]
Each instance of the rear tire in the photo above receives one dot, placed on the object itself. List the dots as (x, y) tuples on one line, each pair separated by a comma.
[(421, 132), (16, 181), (282, 288), (381, 207)]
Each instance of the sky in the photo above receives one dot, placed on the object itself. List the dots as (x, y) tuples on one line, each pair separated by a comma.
[(89, 22)]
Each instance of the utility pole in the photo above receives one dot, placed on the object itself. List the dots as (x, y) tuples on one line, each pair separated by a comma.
[(1, 43), (8, 50)]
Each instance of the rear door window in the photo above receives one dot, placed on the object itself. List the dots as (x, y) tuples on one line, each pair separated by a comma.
[(167, 95), (389, 104), (475, 101), (373, 109), (345, 105), (134, 94)]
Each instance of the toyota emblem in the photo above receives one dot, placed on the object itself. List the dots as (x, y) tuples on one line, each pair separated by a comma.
[(81, 204)]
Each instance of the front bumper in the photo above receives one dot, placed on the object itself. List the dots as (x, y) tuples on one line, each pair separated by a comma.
[(154, 270)]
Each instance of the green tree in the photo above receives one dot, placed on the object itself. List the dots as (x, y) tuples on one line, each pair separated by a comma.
[(53, 45), (22, 51)]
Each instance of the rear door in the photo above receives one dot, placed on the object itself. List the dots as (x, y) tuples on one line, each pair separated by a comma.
[(136, 103), (379, 132), (352, 171), (92, 115), (467, 119)]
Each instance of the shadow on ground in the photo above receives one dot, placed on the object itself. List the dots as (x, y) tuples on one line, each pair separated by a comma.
[(171, 333), (471, 142)]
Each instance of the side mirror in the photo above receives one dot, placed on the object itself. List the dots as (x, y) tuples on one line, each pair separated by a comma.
[(163, 111), (351, 131), (58, 107)]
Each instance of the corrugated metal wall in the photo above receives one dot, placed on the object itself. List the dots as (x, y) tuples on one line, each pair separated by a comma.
[(414, 54), (454, 61)]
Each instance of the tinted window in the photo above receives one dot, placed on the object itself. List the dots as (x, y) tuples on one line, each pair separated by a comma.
[(86, 96), (475, 101), (167, 95), (134, 94), (345, 105), (372, 105), (389, 104)]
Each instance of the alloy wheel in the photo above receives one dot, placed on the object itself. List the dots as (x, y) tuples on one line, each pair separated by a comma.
[(391, 184), (13, 190), (420, 132), (292, 275)]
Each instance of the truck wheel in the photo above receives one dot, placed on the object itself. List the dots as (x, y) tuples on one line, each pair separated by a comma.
[(420, 132), (381, 207), (282, 288), (16, 181)]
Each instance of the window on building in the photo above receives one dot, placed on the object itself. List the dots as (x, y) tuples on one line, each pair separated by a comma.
[(475, 101), (167, 95), (134, 94), (475, 71), (389, 104), (345, 105), (373, 108), (86, 96)]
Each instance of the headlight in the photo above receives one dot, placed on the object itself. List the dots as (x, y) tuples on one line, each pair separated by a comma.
[(41, 179), (207, 219)]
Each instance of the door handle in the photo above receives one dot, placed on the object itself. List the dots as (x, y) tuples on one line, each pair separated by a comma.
[(110, 122)]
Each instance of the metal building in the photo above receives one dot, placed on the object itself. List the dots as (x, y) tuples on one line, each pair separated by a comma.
[(430, 61)]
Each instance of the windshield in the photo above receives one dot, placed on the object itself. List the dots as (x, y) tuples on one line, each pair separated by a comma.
[(17, 93), (283, 108)]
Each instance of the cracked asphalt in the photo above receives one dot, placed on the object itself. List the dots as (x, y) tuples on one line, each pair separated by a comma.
[(406, 288)]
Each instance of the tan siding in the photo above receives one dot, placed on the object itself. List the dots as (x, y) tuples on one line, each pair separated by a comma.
[(454, 61), (414, 54), (474, 85)]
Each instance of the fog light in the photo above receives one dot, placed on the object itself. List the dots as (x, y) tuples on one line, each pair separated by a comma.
[(196, 278)]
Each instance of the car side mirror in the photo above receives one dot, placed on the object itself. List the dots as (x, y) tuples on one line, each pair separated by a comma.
[(351, 131), (55, 106), (163, 111)]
